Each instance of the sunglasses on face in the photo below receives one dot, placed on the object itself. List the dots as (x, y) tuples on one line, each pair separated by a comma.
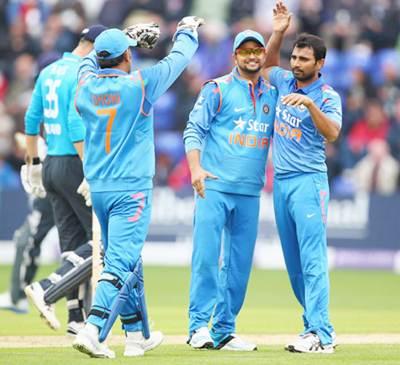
[(245, 52)]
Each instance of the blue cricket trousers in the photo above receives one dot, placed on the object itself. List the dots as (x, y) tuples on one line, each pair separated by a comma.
[(124, 219), (301, 205), (230, 220)]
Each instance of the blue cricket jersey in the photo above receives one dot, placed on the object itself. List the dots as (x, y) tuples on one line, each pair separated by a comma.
[(231, 124), (298, 146), (52, 104), (117, 109)]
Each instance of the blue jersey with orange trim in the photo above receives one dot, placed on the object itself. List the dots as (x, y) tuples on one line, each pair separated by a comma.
[(231, 124), (52, 104), (117, 109), (298, 146)]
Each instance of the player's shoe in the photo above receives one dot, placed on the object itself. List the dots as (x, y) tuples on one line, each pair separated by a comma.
[(310, 343), (201, 339), (87, 342), (74, 327), (289, 346), (35, 294), (334, 339), (21, 307), (235, 343), (137, 345)]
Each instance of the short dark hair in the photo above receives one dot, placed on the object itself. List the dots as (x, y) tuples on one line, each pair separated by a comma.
[(317, 44), (112, 62)]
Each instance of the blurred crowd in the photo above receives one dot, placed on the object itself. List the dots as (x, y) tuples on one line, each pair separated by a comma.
[(363, 65)]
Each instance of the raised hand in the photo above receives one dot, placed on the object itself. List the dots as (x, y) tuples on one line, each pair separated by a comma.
[(145, 34), (190, 22), (281, 17)]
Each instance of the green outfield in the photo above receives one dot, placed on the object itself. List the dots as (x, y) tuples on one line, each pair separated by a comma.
[(362, 303)]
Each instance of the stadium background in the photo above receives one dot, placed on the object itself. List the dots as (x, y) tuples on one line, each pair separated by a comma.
[(363, 64)]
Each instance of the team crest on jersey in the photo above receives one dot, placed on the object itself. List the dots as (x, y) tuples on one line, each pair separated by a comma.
[(266, 108)]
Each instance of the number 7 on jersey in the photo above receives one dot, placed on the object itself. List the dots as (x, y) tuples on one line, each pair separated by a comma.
[(111, 113)]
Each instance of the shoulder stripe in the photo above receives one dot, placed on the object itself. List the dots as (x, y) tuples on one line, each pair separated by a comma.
[(216, 90), (143, 95)]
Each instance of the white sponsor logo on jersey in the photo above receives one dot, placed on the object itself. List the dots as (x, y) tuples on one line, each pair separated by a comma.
[(250, 125)]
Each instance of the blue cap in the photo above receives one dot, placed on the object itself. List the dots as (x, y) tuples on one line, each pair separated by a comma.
[(247, 35), (112, 43), (91, 33)]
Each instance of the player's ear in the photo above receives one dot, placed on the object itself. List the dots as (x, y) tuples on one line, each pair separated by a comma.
[(234, 59), (320, 63), (127, 55)]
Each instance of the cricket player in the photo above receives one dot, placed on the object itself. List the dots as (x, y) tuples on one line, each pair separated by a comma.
[(28, 239), (52, 104), (116, 105), (227, 140), (308, 114)]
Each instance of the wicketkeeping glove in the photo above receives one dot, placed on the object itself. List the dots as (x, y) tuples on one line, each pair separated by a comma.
[(145, 34), (84, 190), (188, 22)]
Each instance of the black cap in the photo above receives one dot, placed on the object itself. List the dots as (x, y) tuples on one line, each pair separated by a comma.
[(90, 34)]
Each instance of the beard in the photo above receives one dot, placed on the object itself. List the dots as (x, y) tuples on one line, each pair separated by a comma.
[(246, 69), (301, 76)]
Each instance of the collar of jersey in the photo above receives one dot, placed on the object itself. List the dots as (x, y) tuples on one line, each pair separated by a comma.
[(244, 82), (111, 71), (71, 56), (314, 85)]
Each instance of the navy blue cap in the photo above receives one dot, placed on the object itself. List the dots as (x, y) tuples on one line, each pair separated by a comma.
[(112, 43), (247, 35), (46, 58), (90, 34)]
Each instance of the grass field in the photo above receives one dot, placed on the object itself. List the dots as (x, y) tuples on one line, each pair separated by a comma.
[(362, 302)]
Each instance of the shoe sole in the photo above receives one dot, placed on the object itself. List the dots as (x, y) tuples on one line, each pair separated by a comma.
[(237, 350), (85, 350), (205, 346), (294, 350), (29, 293)]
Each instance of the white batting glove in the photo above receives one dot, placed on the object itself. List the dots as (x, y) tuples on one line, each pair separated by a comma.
[(189, 22), (24, 179), (31, 178), (84, 190), (145, 34)]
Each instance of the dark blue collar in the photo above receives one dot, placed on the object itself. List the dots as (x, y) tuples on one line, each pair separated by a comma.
[(309, 88), (111, 71), (244, 82)]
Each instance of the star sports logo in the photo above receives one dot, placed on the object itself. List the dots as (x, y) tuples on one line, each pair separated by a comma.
[(240, 124), (250, 125)]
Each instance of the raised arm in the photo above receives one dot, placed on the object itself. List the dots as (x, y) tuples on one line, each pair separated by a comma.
[(88, 66), (161, 76), (281, 21)]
